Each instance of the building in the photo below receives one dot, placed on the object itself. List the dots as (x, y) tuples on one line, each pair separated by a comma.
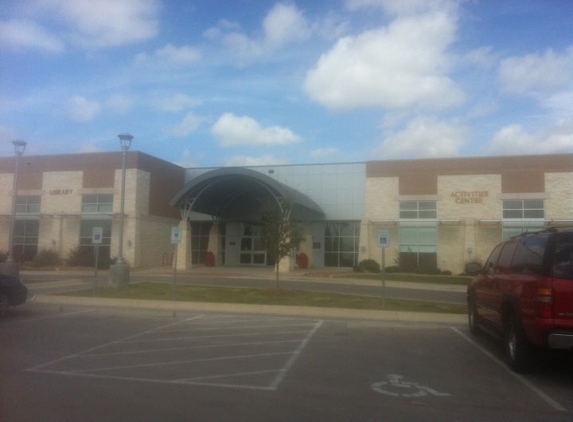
[(433, 212)]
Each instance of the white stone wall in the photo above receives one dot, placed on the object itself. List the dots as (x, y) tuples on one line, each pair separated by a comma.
[(559, 196)]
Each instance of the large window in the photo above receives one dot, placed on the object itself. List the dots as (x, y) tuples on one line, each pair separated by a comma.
[(199, 241), (418, 247), (86, 245), (29, 204), (26, 239), (97, 203), (341, 240), (418, 241), (523, 209), (418, 210), (522, 215)]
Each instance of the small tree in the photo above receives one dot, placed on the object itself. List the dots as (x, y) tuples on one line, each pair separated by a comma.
[(280, 235)]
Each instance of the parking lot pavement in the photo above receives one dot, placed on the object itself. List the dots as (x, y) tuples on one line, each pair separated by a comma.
[(81, 363)]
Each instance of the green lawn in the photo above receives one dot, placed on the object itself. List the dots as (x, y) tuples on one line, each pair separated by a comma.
[(163, 291)]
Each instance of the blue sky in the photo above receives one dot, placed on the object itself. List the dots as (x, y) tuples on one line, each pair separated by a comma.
[(248, 82)]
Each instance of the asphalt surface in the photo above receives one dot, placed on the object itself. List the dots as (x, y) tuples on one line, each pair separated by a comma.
[(72, 362)]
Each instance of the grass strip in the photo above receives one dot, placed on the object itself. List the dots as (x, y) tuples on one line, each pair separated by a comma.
[(413, 278), (162, 291)]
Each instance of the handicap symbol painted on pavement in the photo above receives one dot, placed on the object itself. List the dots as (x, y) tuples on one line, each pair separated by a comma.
[(395, 387)]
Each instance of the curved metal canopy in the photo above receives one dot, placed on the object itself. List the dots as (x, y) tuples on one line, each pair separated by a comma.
[(234, 193)]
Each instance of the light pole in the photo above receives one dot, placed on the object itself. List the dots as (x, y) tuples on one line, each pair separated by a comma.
[(119, 273), (10, 266)]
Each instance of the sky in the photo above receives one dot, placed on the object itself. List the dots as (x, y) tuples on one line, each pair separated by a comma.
[(254, 82)]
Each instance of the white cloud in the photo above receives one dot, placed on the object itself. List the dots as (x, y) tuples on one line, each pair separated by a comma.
[(181, 56), (400, 66), (544, 73), (82, 110), (178, 102), (99, 24), (187, 126), (119, 103), (482, 57), (401, 7), (515, 140), (243, 130), (242, 160), (25, 34), (424, 137), (284, 24)]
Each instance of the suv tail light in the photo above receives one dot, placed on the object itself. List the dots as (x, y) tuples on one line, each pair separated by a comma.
[(544, 299)]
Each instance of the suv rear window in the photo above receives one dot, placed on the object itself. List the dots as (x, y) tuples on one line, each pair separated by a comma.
[(528, 258), (563, 265)]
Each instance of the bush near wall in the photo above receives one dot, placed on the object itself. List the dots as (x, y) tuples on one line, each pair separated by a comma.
[(47, 258), (367, 266), (85, 257)]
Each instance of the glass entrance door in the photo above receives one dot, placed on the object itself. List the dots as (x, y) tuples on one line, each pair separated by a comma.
[(252, 252)]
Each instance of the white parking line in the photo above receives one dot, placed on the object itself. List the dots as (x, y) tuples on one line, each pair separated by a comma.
[(208, 337), (171, 349), (275, 384), (262, 362), (555, 405)]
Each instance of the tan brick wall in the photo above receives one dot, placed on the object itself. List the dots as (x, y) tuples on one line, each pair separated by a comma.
[(382, 198), (559, 197), (462, 201), (62, 192)]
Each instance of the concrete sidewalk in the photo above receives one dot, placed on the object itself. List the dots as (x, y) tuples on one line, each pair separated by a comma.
[(79, 278), (300, 311)]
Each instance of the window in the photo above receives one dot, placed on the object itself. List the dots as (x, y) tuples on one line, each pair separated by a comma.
[(26, 239), (86, 232), (341, 241), (517, 211), (504, 260), (97, 203), (417, 210), (528, 258), (418, 244), (523, 209), (28, 204), (199, 241), (563, 267), (492, 260), (418, 247)]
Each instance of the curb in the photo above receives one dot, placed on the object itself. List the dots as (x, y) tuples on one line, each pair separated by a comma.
[(307, 311)]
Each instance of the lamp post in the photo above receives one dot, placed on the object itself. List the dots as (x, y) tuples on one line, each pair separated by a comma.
[(119, 273), (10, 266)]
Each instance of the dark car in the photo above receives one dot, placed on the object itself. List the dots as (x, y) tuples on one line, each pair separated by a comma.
[(524, 294), (12, 293)]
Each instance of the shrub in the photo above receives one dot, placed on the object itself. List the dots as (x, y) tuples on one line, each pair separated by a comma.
[(368, 265), (82, 256), (47, 258)]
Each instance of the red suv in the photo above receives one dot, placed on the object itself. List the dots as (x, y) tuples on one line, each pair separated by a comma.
[(524, 294)]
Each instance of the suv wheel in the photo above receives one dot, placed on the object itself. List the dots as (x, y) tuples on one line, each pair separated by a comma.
[(518, 349), (3, 304), (473, 317)]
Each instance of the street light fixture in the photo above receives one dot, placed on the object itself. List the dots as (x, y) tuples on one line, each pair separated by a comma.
[(119, 273), (10, 266)]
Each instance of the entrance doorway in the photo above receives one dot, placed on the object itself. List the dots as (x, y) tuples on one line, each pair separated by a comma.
[(252, 252)]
